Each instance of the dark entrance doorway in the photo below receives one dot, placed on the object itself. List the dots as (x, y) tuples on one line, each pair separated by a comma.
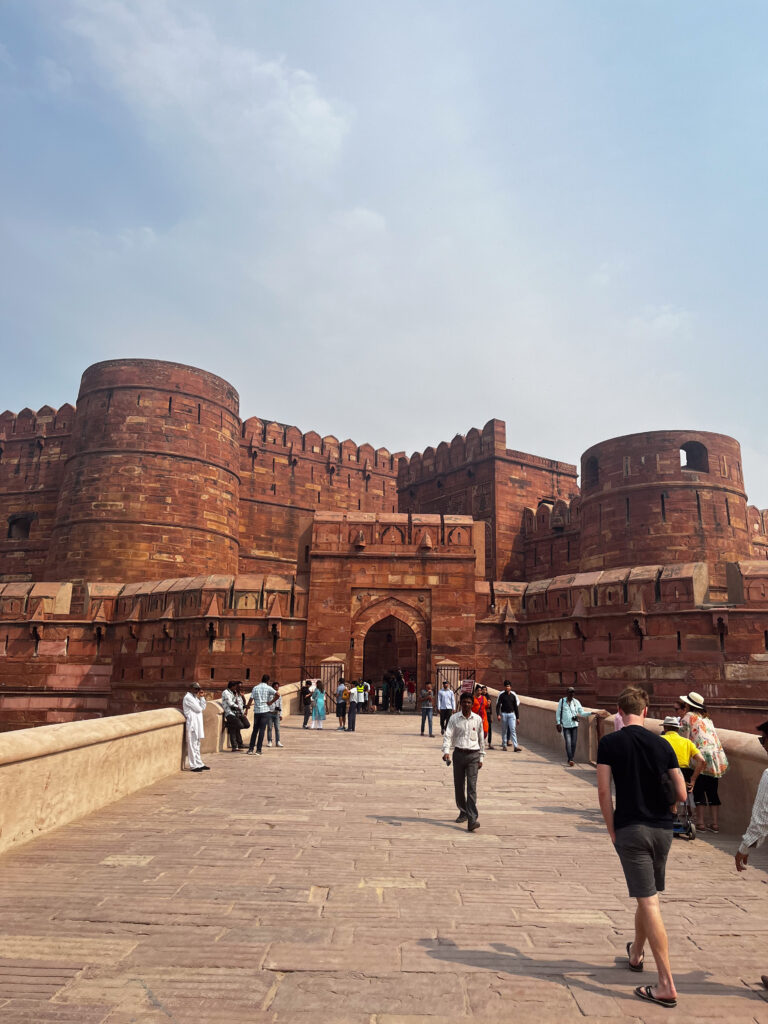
[(389, 643)]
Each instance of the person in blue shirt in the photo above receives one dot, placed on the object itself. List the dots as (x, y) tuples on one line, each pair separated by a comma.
[(569, 711)]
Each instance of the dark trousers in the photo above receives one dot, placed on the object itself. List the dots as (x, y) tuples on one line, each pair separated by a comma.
[(233, 729), (466, 764), (571, 737), (489, 737), (307, 713), (445, 714), (399, 700), (259, 728), (352, 716)]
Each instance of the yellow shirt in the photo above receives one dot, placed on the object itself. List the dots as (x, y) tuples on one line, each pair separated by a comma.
[(684, 749)]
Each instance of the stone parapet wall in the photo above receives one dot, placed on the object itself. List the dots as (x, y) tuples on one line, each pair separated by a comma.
[(54, 774)]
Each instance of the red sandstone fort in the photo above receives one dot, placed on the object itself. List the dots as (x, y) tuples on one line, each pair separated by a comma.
[(152, 537)]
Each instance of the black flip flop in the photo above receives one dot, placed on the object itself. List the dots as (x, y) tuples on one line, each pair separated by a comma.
[(646, 992), (630, 965)]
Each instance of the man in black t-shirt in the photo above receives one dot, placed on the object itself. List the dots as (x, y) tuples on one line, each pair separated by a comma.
[(641, 829)]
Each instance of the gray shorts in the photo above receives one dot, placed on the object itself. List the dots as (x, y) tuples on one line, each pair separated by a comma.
[(643, 851)]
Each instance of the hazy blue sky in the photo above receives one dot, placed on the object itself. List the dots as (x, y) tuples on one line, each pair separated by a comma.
[(392, 221)]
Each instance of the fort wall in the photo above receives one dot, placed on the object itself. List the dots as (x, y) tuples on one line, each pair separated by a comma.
[(479, 476), (152, 476), (34, 448), (286, 476), (152, 537)]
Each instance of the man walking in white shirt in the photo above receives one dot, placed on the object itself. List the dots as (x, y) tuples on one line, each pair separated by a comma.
[(464, 736), (446, 705)]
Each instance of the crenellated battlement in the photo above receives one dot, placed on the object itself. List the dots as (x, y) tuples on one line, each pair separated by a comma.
[(463, 449), (47, 420), (271, 436)]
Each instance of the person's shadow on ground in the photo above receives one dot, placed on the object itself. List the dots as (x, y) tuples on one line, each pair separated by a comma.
[(396, 820), (570, 973)]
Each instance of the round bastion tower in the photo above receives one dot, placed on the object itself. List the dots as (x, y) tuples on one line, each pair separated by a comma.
[(661, 497), (151, 489)]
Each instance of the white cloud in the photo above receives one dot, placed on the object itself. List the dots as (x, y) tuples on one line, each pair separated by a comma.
[(170, 67)]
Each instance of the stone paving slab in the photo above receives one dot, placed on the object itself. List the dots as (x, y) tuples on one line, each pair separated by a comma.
[(327, 882)]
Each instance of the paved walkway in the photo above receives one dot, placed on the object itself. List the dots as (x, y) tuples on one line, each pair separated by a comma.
[(326, 882)]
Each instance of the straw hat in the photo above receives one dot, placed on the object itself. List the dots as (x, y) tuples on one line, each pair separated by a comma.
[(694, 700), (670, 722)]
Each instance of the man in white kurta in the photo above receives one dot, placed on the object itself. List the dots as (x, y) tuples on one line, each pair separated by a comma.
[(193, 707)]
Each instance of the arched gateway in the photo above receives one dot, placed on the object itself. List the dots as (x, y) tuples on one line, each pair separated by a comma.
[(383, 634)]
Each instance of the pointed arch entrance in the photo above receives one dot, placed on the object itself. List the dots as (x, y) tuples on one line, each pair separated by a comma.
[(390, 643), (394, 628)]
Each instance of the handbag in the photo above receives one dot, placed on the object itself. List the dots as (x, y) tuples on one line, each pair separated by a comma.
[(243, 721)]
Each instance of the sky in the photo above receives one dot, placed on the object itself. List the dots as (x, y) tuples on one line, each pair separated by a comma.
[(393, 221)]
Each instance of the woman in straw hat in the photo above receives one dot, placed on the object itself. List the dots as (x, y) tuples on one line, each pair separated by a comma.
[(697, 725)]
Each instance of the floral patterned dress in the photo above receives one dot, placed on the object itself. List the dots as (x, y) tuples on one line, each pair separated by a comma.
[(700, 730)]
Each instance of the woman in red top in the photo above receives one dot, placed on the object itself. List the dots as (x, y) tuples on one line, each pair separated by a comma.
[(481, 706)]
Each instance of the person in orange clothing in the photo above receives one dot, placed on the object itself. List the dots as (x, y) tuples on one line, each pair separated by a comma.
[(481, 706)]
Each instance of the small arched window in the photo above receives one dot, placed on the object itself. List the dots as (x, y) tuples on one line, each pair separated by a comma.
[(694, 457), (591, 472), (19, 526)]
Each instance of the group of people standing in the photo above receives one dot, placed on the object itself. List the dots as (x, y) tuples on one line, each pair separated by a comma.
[(267, 711), (351, 699)]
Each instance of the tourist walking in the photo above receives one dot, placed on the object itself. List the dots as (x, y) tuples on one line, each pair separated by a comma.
[(274, 717), (305, 697), (446, 704), (342, 696), (508, 713), (193, 706), (464, 738), (648, 785), (569, 711), (232, 705), (263, 696), (318, 707), (427, 708), (699, 728)]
